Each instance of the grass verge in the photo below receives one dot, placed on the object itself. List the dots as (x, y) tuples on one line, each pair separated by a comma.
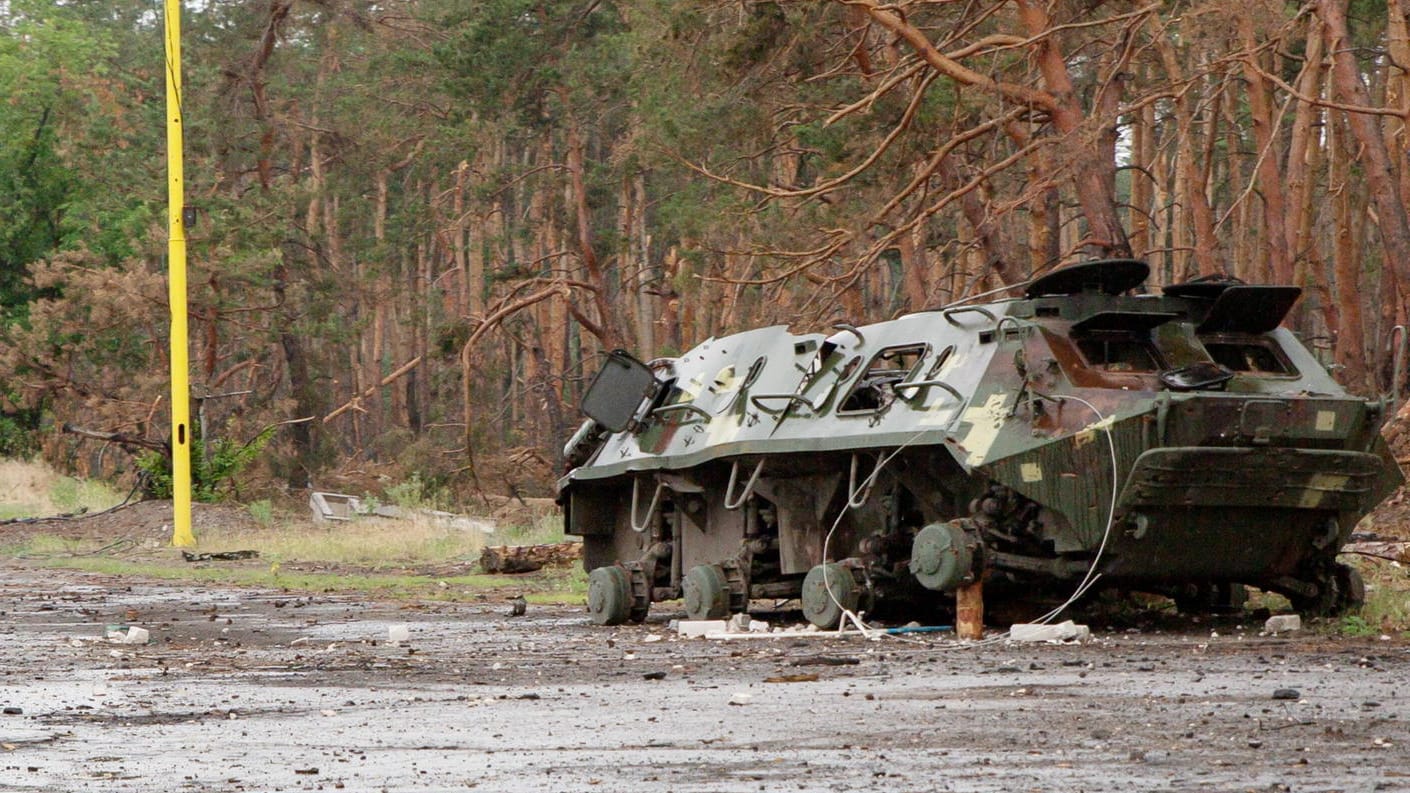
[(402, 580), (30, 489), (1387, 607), (414, 558)]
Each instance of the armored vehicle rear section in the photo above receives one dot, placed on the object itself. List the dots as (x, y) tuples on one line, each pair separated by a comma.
[(1180, 443)]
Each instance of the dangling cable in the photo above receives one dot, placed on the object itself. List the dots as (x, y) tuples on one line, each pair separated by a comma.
[(1092, 575), (847, 614), (1088, 580)]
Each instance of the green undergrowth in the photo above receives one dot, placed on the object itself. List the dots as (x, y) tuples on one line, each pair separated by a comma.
[(1387, 606)]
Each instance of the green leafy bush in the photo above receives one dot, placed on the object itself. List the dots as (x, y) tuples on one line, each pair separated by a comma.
[(211, 473), (17, 441)]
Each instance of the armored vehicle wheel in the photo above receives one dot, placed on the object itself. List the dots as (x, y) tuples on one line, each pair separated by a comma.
[(1340, 588), (639, 603), (1352, 586), (828, 590), (1197, 599), (609, 595), (706, 593), (940, 557)]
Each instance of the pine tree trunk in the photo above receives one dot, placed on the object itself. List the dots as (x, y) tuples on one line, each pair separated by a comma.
[(1194, 219), (1095, 176), (1384, 187), (1346, 259), (1269, 178)]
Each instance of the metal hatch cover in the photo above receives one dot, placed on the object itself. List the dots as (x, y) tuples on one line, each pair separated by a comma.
[(1111, 276), (1250, 309), (1134, 321), (618, 390), (1208, 287)]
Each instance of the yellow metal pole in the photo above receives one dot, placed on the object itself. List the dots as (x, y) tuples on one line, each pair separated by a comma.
[(176, 279)]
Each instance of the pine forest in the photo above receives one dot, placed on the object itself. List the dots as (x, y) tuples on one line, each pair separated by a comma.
[(415, 225)]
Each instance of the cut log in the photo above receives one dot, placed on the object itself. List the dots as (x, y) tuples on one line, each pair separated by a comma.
[(510, 559)]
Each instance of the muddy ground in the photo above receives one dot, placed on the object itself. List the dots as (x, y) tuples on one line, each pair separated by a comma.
[(247, 690)]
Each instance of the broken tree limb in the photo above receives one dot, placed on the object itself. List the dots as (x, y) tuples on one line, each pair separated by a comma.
[(116, 437), (219, 556), (509, 559), (356, 402)]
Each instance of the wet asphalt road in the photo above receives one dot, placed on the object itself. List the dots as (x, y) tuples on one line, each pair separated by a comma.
[(245, 690)]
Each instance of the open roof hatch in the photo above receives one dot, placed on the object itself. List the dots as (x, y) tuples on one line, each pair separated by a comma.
[(1249, 309), (1206, 287), (1135, 321), (618, 390), (1112, 276)]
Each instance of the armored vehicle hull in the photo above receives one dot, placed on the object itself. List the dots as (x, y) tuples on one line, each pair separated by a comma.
[(1082, 435)]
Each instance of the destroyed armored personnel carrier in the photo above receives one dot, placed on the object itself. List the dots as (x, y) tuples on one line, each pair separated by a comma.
[(1179, 443)]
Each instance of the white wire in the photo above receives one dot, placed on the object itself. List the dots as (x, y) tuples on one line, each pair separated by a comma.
[(1086, 584), (1092, 575), (847, 614)]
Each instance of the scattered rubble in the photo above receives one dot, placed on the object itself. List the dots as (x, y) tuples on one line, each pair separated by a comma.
[(336, 507), (1065, 631), (551, 702), (219, 556), (1283, 623)]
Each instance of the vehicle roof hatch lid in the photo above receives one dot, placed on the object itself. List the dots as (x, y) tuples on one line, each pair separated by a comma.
[(1137, 321), (1206, 287), (618, 390), (1111, 276), (1249, 309)]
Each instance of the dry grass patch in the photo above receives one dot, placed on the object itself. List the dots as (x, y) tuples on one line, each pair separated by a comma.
[(370, 542), (24, 489), (30, 489)]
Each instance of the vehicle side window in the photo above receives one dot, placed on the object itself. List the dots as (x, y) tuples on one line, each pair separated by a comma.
[(1249, 356), (1119, 351), (873, 390)]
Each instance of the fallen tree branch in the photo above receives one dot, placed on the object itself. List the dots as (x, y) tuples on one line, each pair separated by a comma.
[(116, 437), (355, 402)]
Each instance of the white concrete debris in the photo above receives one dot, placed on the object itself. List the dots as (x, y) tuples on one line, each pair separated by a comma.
[(693, 628), (136, 635), (127, 634), (442, 519), (333, 506), (328, 507), (1065, 631), (739, 626)]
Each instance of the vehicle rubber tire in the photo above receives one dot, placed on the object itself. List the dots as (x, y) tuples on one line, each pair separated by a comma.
[(609, 595), (829, 590), (1351, 587), (705, 593)]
